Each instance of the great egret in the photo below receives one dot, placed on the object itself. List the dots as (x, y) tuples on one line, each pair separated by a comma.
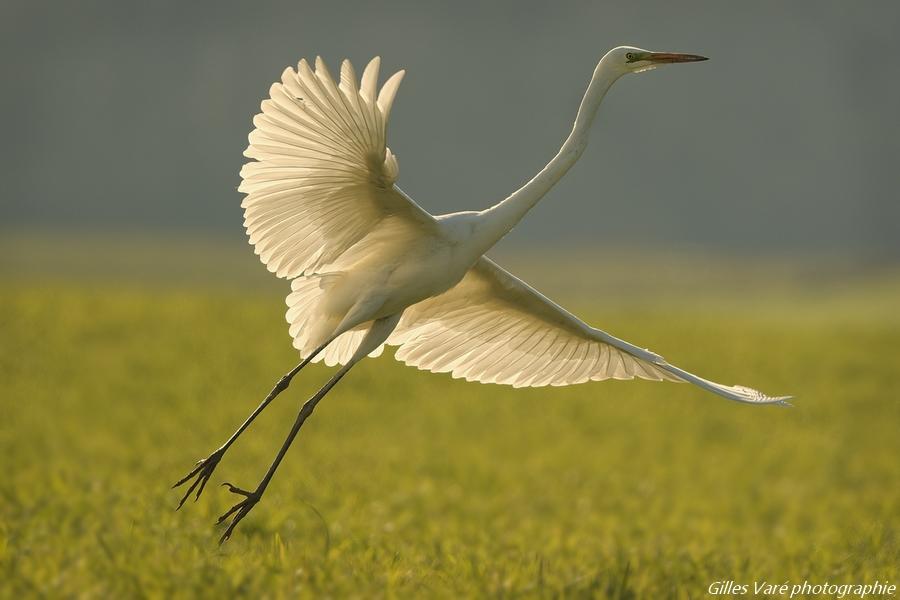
[(370, 267)]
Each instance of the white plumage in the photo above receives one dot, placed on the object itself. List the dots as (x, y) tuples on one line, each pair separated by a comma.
[(370, 267), (493, 328), (319, 194)]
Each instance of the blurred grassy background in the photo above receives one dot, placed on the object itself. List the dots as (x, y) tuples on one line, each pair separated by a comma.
[(749, 215), (125, 360)]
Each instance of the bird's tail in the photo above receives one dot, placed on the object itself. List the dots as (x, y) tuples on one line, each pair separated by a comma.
[(312, 323)]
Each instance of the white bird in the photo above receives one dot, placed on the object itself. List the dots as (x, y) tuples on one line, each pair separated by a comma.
[(369, 267)]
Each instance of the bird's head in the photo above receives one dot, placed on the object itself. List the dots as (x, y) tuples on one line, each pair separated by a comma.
[(629, 59)]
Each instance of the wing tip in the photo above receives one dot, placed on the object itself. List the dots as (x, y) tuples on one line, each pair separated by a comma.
[(782, 401), (753, 396)]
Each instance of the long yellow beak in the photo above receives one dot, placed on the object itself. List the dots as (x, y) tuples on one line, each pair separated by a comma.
[(673, 57)]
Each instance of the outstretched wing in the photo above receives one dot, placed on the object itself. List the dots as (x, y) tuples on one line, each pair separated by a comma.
[(323, 177), (494, 328)]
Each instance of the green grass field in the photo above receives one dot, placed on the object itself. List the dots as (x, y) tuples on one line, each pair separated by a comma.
[(410, 484)]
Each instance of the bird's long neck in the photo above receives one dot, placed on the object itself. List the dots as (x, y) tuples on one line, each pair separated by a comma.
[(496, 221)]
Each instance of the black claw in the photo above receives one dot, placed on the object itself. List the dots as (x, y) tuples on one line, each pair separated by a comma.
[(203, 471), (236, 490), (202, 485), (189, 475), (188, 493), (227, 514), (239, 510)]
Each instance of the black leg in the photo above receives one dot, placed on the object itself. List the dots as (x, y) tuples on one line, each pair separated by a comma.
[(242, 508), (204, 469)]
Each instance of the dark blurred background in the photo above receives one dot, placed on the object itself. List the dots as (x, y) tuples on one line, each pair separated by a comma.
[(130, 117)]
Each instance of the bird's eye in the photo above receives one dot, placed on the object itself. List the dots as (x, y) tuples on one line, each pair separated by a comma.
[(630, 56)]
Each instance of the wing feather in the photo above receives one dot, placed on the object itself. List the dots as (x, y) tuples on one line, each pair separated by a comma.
[(494, 328), (321, 178)]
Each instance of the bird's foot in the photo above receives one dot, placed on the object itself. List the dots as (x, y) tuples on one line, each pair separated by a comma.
[(239, 510), (203, 471)]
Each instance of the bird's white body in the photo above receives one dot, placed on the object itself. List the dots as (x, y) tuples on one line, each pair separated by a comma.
[(323, 210), (396, 268), (370, 267)]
